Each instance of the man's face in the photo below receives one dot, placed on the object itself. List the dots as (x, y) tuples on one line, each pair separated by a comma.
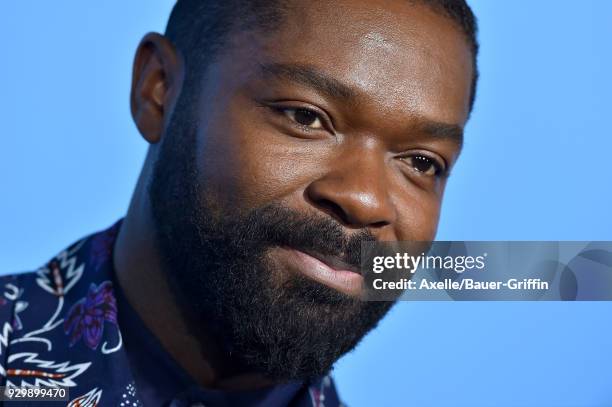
[(337, 128), (388, 74)]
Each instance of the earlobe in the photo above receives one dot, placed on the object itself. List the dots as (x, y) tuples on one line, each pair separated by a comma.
[(156, 81)]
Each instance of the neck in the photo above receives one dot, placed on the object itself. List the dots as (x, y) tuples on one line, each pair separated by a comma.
[(139, 272)]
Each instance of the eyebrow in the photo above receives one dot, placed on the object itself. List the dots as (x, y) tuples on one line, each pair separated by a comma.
[(311, 77), (335, 89), (438, 130)]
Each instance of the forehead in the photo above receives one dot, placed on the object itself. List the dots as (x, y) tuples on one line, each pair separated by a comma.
[(396, 54)]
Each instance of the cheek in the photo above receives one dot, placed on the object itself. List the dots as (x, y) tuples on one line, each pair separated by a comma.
[(249, 163), (418, 215)]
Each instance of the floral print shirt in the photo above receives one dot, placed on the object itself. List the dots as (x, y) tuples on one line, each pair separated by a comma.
[(68, 324)]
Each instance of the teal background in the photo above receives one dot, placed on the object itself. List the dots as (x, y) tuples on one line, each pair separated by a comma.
[(535, 167)]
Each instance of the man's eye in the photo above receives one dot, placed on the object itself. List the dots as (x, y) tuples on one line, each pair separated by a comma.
[(304, 117), (425, 165)]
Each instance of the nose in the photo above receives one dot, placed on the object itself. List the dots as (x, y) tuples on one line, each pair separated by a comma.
[(355, 192)]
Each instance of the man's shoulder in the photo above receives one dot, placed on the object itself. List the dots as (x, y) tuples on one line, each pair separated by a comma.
[(11, 284), (66, 277), (13, 278), (58, 326), (10, 292), (15, 290), (28, 294)]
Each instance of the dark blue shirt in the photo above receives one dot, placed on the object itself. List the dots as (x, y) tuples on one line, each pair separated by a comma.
[(69, 324)]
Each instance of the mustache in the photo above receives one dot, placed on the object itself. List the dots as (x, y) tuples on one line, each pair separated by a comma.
[(277, 225)]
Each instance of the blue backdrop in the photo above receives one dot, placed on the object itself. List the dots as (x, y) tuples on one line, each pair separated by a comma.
[(535, 167)]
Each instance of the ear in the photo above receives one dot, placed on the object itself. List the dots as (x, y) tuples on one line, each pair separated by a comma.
[(157, 77)]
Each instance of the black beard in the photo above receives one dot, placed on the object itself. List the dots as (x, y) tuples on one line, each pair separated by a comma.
[(266, 320)]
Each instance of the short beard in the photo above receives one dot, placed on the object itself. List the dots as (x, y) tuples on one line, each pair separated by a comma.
[(265, 320)]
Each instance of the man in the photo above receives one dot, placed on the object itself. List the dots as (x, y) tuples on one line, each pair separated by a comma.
[(282, 134)]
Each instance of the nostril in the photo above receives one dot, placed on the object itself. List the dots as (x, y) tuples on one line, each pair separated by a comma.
[(379, 224), (333, 209)]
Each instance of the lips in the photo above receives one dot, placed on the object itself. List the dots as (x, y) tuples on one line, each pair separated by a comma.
[(334, 262), (327, 270)]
